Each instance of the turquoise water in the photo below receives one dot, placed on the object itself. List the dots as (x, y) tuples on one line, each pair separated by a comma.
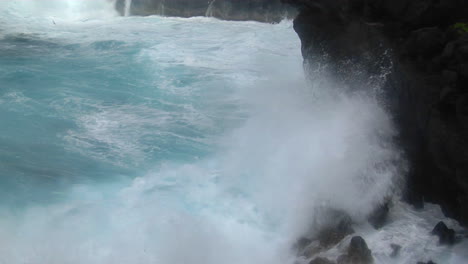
[(169, 140), (78, 108), (115, 134)]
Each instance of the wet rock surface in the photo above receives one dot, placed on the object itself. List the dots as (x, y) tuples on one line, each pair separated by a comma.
[(358, 252), (445, 234), (378, 218), (427, 91), (337, 227)]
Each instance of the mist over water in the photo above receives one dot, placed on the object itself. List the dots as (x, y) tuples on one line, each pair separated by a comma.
[(59, 9), (167, 140), (127, 6)]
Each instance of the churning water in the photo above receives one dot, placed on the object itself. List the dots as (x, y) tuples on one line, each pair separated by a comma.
[(166, 140)]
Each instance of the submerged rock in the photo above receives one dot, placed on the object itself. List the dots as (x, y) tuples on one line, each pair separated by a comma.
[(358, 252), (445, 234), (395, 250)]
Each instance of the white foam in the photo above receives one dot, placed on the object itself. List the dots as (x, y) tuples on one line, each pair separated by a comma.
[(297, 149)]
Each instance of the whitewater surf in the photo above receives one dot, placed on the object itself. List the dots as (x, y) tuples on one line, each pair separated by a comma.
[(170, 140)]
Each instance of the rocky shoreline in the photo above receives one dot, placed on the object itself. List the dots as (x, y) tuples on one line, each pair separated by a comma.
[(427, 90), (424, 45), (422, 49), (340, 240)]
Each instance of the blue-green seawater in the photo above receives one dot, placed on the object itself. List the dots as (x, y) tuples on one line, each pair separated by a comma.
[(154, 140), (98, 101)]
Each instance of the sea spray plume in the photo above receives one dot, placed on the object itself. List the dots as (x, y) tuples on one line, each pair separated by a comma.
[(297, 159), (67, 10), (176, 212), (308, 148), (296, 148)]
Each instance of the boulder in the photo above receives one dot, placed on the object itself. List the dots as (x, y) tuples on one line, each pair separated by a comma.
[(358, 252), (445, 234), (378, 217)]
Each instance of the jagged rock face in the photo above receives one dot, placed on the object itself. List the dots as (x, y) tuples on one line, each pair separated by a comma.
[(259, 10), (358, 253), (445, 234), (427, 93)]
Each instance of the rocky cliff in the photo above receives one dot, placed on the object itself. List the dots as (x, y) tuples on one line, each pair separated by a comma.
[(425, 42), (259, 10)]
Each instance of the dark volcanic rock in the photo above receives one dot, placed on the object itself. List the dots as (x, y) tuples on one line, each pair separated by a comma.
[(425, 42), (358, 247), (445, 234), (378, 217), (427, 91), (358, 252)]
